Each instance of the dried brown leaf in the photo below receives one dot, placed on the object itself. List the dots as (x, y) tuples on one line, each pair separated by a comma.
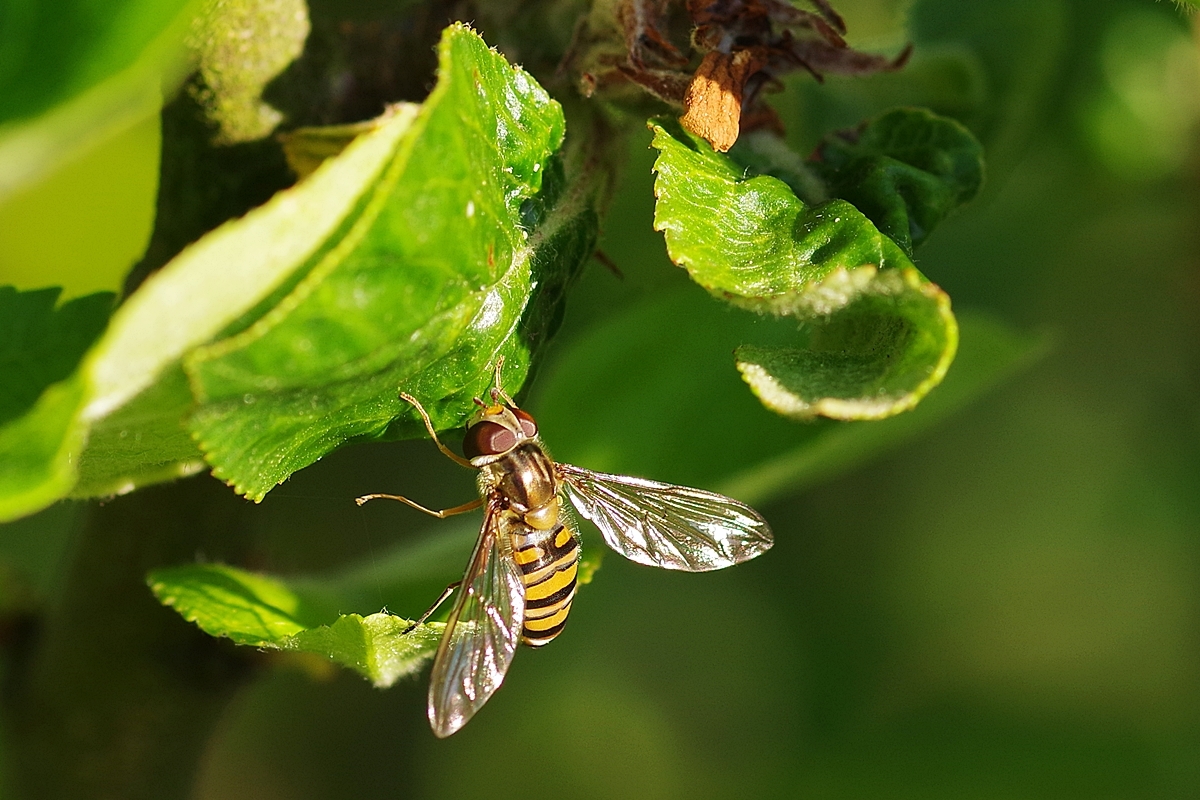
[(713, 104)]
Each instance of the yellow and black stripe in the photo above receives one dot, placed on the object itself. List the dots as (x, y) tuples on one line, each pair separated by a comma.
[(549, 561)]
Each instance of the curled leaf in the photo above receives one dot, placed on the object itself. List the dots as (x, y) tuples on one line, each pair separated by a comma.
[(439, 239), (425, 284), (874, 335), (906, 170), (875, 356)]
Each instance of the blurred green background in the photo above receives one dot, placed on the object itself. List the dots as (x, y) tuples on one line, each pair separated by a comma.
[(1007, 608)]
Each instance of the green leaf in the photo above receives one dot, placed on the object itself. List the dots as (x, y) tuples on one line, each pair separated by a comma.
[(610, 404), (75, 74), (763, 152), (426, 286), (441, 239), (130, 396), (645, 393), (37, 450), (264, 612), (325, 615), (875, 335), (906, 170), (376, 646), (42, 342), (144, 441), (239, 47), (308, 148), (877, 355), (315, 615), (224, 601), (40, 347)]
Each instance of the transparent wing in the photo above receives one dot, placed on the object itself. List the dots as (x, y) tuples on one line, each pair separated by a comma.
[(481, 634), (668, 526)]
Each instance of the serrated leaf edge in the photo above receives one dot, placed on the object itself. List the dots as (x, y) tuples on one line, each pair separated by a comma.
[(846, 286)]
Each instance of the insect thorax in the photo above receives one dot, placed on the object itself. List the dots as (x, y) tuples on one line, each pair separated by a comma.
[(523, 478)]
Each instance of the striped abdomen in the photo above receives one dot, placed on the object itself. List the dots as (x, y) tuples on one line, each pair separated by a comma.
[(548, 561)]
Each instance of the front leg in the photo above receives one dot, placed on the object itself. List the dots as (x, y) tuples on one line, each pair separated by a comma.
[(445, 512)]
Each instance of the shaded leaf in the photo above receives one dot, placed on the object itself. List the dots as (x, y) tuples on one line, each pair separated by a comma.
[(144, 441), (41, 342), (906, 170), (40, 346), (308, 148), (876, 356), (875, 336), (37, 450)]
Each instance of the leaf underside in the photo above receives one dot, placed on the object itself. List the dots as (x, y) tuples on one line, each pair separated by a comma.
[(874, 336), (264, 612), (440, 239), (425, 287)]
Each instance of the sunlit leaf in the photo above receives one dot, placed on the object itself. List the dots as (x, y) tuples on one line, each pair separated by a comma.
[(875, 336), (265, 612), (428, 284), (439, 240), (134, 382)]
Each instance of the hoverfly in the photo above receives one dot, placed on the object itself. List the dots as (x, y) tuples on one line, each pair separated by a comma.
[(520, 580)]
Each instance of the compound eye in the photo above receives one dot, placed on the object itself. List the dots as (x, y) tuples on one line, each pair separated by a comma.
[(527, 423), (487, 439)]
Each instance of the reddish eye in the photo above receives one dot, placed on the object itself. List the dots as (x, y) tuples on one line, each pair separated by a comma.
[(487, 439), (527, 423)]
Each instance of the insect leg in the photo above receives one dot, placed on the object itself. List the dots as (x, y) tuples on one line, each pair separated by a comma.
[(453, 456), (445, 512), (449, 590)]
